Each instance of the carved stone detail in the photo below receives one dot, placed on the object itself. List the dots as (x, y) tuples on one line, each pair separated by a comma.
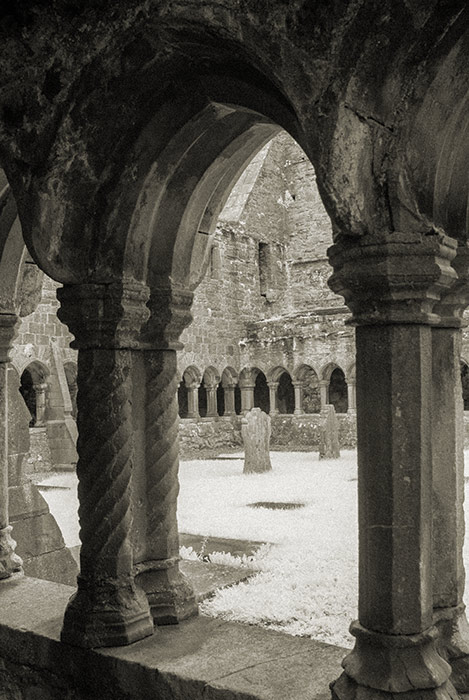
[(392, 278), (108, 608), (170, 595), (170, 308), (104, 315), (10, 563)]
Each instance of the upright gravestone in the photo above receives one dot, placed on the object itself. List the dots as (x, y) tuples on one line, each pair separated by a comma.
[(329, 439), (255, 431)]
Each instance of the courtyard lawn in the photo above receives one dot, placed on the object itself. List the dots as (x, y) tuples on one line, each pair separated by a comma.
[(307, 580), (306, 577)]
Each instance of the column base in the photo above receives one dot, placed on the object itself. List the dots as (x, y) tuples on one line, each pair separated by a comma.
[(106, 614), (168, 591), (345, 688), (10, 563), (453, 643), (382, 665)]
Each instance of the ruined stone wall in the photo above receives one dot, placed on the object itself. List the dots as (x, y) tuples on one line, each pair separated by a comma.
[(293, 321)]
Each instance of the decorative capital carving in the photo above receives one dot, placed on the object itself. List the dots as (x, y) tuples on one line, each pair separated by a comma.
[(8, 331), (454, 300), (170, 313), (104, 315), (393, 278)]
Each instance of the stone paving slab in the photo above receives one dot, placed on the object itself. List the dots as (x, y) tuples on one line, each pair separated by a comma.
[(219, 544), (199, 659), (206, 578)]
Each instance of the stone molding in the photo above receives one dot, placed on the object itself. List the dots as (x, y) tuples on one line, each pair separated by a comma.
[(170, 314), (453, 301), (8, 330), (393, 278), (104, 315)]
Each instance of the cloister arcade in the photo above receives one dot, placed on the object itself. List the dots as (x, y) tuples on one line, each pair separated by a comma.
[(300, 392), (123, 127)]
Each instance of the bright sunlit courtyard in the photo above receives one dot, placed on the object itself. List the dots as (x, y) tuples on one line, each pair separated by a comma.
[(305, 580)]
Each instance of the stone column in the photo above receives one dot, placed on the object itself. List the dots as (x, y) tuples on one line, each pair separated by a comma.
[(193, 401), (247, 397), (391, 283), (212, 410), (273, 386), (156, 544), (351, 395), (448, 477), (10, 563), (108, 609), (324, 392), (298, 388), (40, 390), (229, 400)]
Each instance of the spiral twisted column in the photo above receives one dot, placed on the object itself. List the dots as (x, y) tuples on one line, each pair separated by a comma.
[(392, 283), (10, 563), (448, 476), (108, 608), (169, 593)]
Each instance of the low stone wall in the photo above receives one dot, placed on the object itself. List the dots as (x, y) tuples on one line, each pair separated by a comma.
[(214, 435)]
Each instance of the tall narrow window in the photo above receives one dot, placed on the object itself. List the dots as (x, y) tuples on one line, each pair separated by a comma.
[(263, 263)]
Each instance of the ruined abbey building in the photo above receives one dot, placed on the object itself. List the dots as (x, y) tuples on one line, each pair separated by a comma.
[(123, 129)]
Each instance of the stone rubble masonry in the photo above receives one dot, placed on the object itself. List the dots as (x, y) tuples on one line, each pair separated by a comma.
[(300, 321)]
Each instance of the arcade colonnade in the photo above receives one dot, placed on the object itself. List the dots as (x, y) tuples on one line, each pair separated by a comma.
[(278, 391), (120, 150)]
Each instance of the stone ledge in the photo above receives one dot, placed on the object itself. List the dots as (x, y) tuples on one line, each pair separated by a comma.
[(200, 659)]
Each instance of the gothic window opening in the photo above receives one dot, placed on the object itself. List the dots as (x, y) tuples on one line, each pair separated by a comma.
[(311, 392), (237, 400), (338, 391), (285, 394), (220, 400), (202, 391), (261, 393), (183, 400), (264, 272), (33, 390)]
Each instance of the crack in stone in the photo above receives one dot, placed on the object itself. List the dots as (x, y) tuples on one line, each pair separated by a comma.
[(370, 118)]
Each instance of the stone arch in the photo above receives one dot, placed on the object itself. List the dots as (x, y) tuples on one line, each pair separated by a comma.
[(190, 382), (337, 390), (308, 380), (280, 379), (261, 390), (33, 387), (229, 393)]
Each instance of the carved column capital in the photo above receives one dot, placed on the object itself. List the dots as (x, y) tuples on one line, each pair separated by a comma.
[(104, 315), (393, 278), (8, 331), (170, 314)]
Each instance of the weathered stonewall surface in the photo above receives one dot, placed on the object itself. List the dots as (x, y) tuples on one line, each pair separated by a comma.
[(329, 441), (255, 431)]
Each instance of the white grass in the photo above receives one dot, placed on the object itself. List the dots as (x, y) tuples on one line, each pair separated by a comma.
[(307, 580)]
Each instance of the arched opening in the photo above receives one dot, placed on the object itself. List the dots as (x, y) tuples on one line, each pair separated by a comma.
[(465, 384), (202, 397), (220, 400), (183, 400), (310, 389), (33, 388), (237, 399), (338, 391), (285, 394), (70, 370), (261, 392)]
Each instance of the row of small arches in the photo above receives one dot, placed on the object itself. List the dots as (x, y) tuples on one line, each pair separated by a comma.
[(276, 391)]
